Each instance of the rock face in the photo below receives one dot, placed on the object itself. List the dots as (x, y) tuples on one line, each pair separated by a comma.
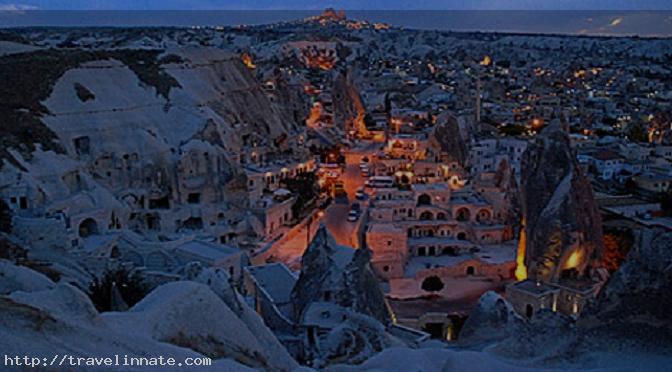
[(349, 109), (505, 180), (361, 291), (354, 341), (152, 141), (340, 275), (637, 296), (630, 317), (489, 320), (219, 282), (450, 138), (179, 319), (17, 278), (166, 315), (563, 226)]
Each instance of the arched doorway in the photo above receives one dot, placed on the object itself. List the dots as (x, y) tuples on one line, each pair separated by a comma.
[(463, 214), (424, 199), (432, 284), (471, 270), (483, 215), (88, 227), (426, 216)]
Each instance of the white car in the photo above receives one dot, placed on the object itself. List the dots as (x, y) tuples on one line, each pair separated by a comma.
[(353, 216)]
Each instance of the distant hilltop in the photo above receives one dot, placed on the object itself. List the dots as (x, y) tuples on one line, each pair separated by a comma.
[(332, 14), (329, 15)]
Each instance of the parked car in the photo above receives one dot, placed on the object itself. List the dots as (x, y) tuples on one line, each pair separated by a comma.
[(353, 216), (356, 207), (360, 194)]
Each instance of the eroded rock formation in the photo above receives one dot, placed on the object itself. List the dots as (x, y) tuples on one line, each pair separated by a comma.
[(563, 225), (450, 138), (349, 110), (340, 275)]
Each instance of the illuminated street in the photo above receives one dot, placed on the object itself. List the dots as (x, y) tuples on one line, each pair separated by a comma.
[(290, 250)]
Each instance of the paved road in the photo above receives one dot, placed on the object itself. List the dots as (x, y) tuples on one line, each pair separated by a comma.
[(335, 216)]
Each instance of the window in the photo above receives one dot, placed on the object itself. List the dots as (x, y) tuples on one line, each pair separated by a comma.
[(194, 198)]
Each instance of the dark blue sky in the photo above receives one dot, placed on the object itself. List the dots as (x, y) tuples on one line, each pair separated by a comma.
[(340, 4)]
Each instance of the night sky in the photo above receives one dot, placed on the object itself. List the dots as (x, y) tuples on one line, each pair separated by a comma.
[(340, 4), (592, 17)]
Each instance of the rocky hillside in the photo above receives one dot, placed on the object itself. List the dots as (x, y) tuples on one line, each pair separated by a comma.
[(626, 327), (49, 318)]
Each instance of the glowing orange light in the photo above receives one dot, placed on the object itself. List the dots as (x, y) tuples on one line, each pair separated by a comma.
[(486, 61), (521, 269), (574, 259), (247, 60)]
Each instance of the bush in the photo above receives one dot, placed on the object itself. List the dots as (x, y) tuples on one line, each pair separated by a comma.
[(5, 217), (131, 286)]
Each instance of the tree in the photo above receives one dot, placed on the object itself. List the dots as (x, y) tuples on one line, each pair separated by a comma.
[(637, 133), (130, 284), (432, 284), (665, 200), (5, 217), (304, 186)]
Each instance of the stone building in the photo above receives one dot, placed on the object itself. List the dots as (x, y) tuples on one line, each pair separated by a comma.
[(431, 229)]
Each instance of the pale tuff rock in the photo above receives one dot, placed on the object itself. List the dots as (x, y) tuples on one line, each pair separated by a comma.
[(18, 278), (636, 299), (488, 321), (451, 137), (349, 108), (354, 341), (49, 319), (167, 315), (220, 283), (337, 274)]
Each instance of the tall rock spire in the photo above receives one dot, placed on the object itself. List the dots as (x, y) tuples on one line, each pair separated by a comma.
[(563, 226), (340, 275)]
